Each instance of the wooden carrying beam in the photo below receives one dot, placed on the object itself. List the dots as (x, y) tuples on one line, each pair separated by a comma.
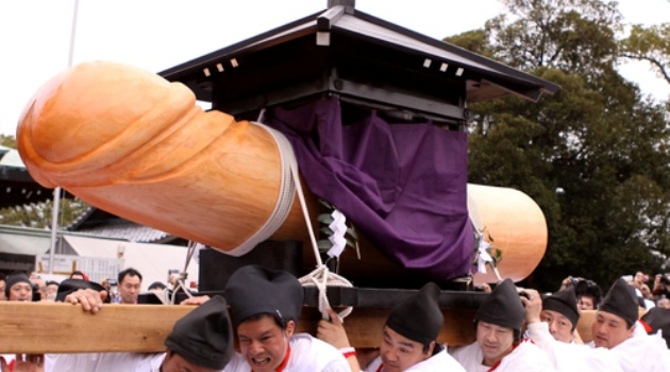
[(46, 327), (35, 328)]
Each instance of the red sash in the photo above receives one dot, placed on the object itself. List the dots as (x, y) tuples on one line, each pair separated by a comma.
[(498, 362)]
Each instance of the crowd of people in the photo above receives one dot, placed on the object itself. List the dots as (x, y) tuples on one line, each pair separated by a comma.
[(516, 329), (20, 286)]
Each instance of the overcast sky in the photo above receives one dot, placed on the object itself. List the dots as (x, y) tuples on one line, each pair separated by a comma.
[(35, 35)]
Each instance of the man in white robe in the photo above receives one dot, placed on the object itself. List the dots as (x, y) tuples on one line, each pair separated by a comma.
[(499, 346), (409, 337), (615, 328), (265, 306), (564, 356)]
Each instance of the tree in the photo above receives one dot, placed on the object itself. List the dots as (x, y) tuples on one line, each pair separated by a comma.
[(38, 215), (598, 140), (651, 44), (7, 141)]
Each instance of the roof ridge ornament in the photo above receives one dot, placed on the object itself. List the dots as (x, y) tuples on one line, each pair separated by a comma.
[(349, 5)]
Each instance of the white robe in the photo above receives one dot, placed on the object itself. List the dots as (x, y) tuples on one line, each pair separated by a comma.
[(440, 362), (572, 357), (308, 354), (103, 362), (648, 353), (526, 357)]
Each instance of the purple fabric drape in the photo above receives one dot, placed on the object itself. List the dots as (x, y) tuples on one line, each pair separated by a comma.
[(402, 185)]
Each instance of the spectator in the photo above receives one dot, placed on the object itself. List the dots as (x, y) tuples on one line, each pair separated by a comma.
[(589, 295), (39, 288), (18, 287), (265, 306), (647, 297), (498, 337), (663, 303), (639, 279), (587, 291), (52, 290), (157, 287), (661, 285), (3, 285), (130, 281), (560, 313)]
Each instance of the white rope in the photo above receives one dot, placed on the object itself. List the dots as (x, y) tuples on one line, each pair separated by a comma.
[(321, 277), (284, 203), (179, 283)]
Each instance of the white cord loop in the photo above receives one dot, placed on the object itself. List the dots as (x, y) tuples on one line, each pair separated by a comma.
[(321, 277)]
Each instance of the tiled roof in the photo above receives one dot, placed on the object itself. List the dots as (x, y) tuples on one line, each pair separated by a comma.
[(124, 229)]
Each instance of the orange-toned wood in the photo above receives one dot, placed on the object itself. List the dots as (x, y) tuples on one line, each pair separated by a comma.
[(44, 327), (129, 142), (516, 224)]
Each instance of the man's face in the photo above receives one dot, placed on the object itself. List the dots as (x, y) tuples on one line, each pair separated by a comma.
[(559, 325), (173, 362), (664, 303), (129, 289), (400, 353), (585, 303), (646, 292), (495, 341), (263, 343), (52, 291), (2, 290), (610, 330), (41, 287), (21, 291), (638, 280)]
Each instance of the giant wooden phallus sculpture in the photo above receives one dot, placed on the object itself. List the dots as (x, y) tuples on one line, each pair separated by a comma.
[(129, 142)]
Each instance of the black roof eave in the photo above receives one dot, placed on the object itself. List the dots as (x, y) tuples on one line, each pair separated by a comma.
[(388, 34), (272, 37)]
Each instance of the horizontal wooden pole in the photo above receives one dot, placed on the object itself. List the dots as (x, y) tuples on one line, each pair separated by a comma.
[(44, 327)]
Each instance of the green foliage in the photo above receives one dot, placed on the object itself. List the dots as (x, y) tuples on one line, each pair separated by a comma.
[(38, 215), (651, 44), (598, 141), (7, 141)]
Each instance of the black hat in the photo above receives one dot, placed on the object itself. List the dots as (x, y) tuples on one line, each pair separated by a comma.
[(204, 336), (68, 286), (589, 288), (16, 278), (157, 285), (254, 290), (419, 318), (621, 300), (563, 302), (502, 307), (658, 318)]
